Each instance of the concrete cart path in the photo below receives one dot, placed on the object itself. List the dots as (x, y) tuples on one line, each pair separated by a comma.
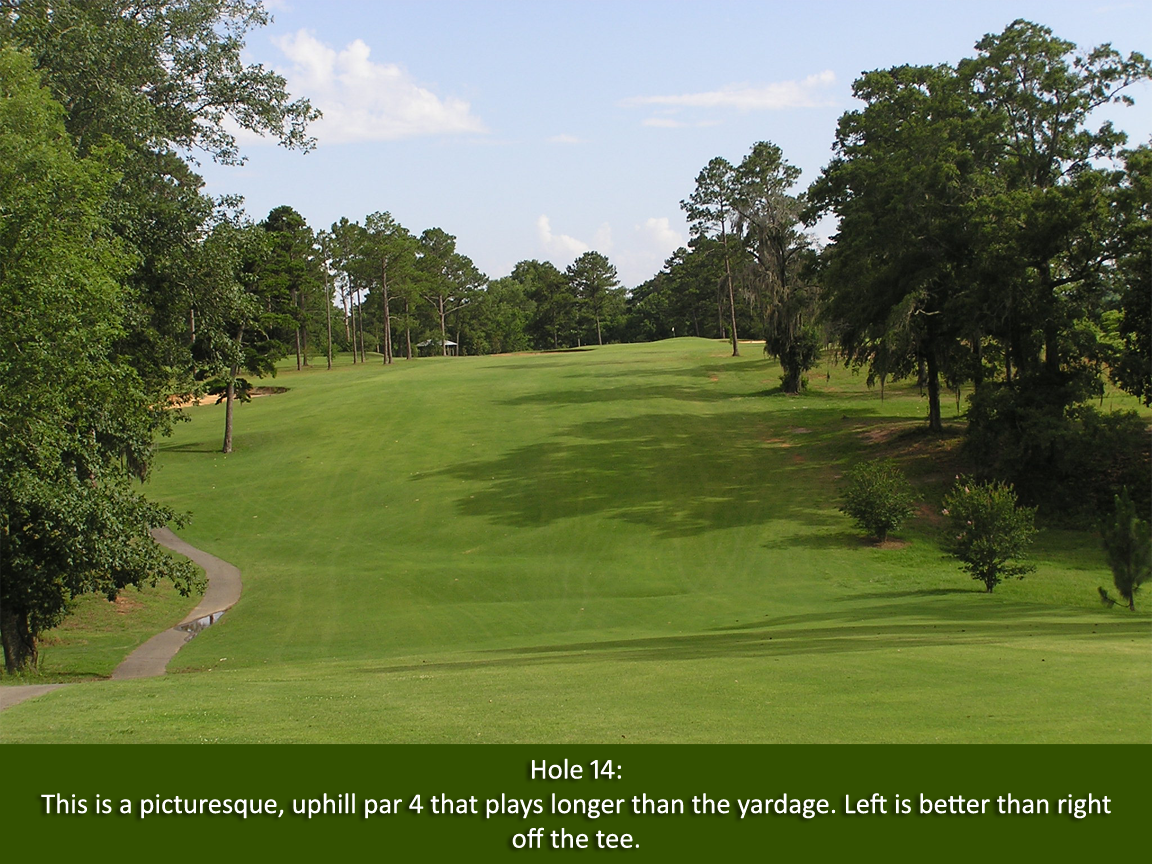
[(10, 696), (151, 659)]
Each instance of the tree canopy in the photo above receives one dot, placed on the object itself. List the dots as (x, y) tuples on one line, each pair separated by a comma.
[(75, 423)]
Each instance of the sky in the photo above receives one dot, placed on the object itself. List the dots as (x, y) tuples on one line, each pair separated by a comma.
[(545, 129)]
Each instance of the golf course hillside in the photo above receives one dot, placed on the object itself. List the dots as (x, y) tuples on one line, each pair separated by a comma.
[(628, 543)]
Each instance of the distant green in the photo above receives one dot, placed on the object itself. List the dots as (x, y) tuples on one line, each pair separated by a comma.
[(630, 543)]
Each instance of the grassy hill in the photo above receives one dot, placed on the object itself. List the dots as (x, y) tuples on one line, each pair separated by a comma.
[(630, 543)]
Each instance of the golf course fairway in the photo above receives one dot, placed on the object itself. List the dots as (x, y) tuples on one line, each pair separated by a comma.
[(633, 543)]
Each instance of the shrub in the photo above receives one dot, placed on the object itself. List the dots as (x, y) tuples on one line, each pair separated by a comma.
[(877, 496), (989, 533), (1069, 460), (1128, 545)]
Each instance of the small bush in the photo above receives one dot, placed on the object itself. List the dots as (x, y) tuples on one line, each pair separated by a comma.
[(878, 497), (989, 533), (1128, 545)]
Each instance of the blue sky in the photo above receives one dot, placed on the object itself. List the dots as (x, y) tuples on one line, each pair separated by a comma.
[(543, 129)]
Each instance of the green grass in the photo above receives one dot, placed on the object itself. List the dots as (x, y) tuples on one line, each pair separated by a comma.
[(633, 543), (97, 635)]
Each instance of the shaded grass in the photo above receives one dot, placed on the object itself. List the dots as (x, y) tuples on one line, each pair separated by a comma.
[(97, 634), (627, 541)]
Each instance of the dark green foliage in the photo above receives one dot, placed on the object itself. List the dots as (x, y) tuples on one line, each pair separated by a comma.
[(553, 322), (987, 531), (1128, 545), (592, 279), (496, 321), (778, 275), (1132, 368), (1068, 461), (877, 496), (76, 422)]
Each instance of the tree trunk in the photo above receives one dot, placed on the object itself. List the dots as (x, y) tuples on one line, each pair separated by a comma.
[(720, 328), (934, 422), (599, 341), (296, 305), (229, 400), (1051, 328), (407, 329), (344, 301), (328, 307), (731, 290), (360, 307), (387, 316), (443, 333), (192, 337), (977, 363), (20, 650)]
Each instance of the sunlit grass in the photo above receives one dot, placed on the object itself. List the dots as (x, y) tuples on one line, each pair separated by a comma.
[(629, 543)]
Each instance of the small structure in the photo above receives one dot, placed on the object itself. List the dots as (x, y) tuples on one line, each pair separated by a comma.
[(432, 347)]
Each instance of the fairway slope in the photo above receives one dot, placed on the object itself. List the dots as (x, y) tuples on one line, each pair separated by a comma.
[(630, 543)]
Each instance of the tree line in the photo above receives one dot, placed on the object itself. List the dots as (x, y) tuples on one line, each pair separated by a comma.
[(986, 236)]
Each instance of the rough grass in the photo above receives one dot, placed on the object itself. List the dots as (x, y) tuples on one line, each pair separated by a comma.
[(97, 634), (632, 543)]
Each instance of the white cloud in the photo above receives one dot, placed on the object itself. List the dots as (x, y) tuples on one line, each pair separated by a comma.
[(649, 247), (664, 123), (560, 245), (367, 101), (658, 233), (565, 139), (602, 239), (775, 96)]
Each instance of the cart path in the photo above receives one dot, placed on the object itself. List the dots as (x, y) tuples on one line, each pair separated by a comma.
[(151, 659)]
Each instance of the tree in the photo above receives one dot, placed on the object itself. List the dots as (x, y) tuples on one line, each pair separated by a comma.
[(592, 278), (1037, 94), (1132, 368), (496, 321), (1128, 545), (907, 170), (165, 80), (241, 327), (553, 323), (290, 275), (343, 242), (877, 496), (76, 422), (388, 253), (989, 533), (710, 210), (780, 265), (449, 278)]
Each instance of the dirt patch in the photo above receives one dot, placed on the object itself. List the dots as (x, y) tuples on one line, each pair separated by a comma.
[(125, 605), (930, 514), (883, 434), (193, 401), (890, 544)]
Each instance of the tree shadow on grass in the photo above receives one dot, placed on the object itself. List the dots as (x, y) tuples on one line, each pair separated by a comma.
[(878, 628), (688, 392), (830, 540), (679, 474), (190, 447), (923, 592)]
